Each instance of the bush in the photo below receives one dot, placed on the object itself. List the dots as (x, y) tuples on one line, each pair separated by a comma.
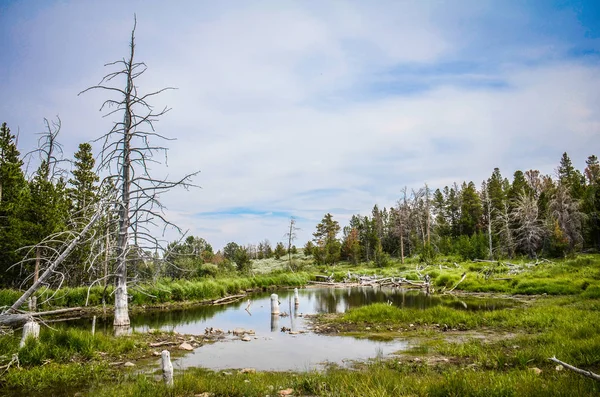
[(207, 270)]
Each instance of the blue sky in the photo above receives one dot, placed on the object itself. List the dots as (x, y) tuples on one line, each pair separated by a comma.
[(298, 108)]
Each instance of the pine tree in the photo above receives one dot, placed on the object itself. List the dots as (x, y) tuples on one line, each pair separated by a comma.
[(592, 201), (351, 245), (12, 187), (471, 210), (328, 247), (441, 214), (570, 177), (84, 190)]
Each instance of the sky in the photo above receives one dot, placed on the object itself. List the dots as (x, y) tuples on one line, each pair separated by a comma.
[(300, 108)]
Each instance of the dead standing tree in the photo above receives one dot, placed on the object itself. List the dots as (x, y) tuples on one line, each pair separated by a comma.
[(50, 152), (291, 236), (125, 155)]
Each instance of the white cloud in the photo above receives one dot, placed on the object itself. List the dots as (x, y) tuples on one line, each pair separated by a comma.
[(278, 99)]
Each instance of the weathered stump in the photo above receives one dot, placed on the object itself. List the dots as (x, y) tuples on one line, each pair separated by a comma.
[(94, 326), (296, 298), (121, 317), (30, 329), (274, 304), (167, 368)]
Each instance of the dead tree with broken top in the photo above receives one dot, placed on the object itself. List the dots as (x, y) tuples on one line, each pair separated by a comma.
[(125, 156)]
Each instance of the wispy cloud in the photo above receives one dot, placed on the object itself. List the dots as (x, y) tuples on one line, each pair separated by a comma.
[(302, 108)]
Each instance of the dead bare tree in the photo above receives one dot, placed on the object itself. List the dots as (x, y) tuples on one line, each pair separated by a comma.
[(488, 215), (530, 231), (291, 236), (402, 220), (565, 211), (502, 223), (126, 154), (50, 154)]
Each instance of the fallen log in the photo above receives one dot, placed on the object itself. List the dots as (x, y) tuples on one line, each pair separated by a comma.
[(228, 299), (15, 320), (165, 343), (461, 280), (322, 283), (583, 372)]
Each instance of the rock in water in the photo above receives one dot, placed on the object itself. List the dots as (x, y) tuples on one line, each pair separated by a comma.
[(186, 346)]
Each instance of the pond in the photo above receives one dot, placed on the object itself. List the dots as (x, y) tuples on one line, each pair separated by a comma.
[(271, 349)]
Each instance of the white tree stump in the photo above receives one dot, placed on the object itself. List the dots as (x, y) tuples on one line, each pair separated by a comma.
[(122, 330), (296, 297), (30, 329), (167, 368), (94, 326), (121, 306), (274, 304)]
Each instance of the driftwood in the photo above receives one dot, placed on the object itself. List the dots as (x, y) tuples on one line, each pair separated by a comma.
[(15, 320), (583, 372), (228, 299), (165, 343), (461, 280)]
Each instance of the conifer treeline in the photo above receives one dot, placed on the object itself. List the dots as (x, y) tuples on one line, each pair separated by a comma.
[(43, 204), (531, 215)]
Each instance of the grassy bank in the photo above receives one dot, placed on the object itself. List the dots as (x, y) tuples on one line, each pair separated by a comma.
[(385, 378), (455, 352), (67, 359), (566, 327), (163, 291)]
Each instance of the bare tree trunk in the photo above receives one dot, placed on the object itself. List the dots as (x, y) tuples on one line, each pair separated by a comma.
[(38, 255), (428, 214), (121, 303), (402, 245), (489, 223)]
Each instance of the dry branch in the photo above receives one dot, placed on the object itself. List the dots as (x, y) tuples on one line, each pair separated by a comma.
[(583, 372)]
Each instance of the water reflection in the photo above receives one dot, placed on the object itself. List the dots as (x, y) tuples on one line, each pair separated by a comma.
[(310, 301), (271, 349)]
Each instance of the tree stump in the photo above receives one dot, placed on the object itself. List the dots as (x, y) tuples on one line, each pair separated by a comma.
[(30, 329), (274, 304), (167, 368)]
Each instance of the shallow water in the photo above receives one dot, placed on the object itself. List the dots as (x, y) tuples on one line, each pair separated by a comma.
[(271, 349)]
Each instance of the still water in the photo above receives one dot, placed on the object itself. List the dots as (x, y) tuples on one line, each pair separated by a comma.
[(271, 349)]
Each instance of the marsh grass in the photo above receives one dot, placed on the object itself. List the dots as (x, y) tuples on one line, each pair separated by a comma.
[(165, 290), (67, 345), (381, 378)]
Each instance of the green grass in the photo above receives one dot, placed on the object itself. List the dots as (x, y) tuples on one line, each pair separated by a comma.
[(165, 291), (385, 378), (490, 355), (55, 379), (66, 345)]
